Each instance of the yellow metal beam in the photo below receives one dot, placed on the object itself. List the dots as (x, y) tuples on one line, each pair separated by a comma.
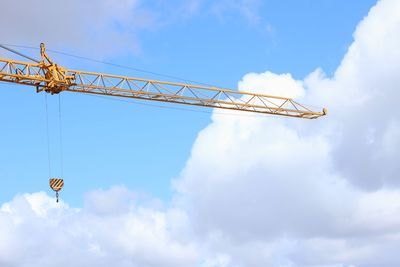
[(52, 78)]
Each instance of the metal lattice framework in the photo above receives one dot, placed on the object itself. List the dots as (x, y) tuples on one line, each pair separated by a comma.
[(51, 78)]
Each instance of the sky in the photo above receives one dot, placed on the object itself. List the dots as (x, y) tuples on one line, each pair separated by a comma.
[(155, 186)]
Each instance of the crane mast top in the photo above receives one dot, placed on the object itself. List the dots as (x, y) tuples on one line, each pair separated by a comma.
[(49, 77)]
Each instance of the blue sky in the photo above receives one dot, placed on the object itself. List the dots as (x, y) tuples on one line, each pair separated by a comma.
[(152, 186), (108, 142)]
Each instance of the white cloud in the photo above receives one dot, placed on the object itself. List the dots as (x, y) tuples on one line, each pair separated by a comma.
[(35, 231), (102, 28), (249, 9), (325, 192), (362, 98), (272, 84), (91, 26)]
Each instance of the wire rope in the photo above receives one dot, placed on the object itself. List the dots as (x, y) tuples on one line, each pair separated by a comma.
[(18, 53), (60, 137), (47, 135)]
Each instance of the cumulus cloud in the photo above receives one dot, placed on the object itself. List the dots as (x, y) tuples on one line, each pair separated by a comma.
[(35, 231), (272, 84), (324, 192), (256, 191), (362, 96)]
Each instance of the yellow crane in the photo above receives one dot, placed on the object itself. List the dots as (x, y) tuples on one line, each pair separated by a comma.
[(52, 78)]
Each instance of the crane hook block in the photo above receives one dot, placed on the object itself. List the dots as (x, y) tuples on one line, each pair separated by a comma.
[(56, 184)]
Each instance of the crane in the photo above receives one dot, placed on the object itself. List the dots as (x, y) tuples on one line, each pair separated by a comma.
[(52, 78), (47, 76)]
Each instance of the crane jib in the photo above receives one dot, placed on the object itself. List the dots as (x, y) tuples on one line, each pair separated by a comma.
[(52, 78)]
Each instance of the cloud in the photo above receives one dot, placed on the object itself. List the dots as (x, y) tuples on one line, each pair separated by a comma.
[(272, 84), (98, 25), (35, 231), (248, 9), (102, 28), (311, 193), (362, 96)]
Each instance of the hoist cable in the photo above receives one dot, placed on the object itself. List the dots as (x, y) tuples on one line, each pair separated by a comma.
[(60, 132), (48, 135)]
